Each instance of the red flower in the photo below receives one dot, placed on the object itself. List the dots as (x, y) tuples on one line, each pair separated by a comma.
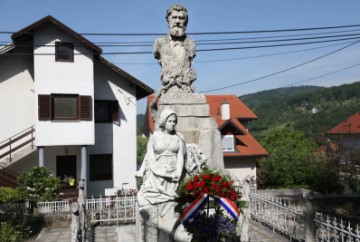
[(220, 194), (189, 187), (215, 186), (225, 184), (196, 185), (196, 178), (205, 176), (205, 190), (202, 183)]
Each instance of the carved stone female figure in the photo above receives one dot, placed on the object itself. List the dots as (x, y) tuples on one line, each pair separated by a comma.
[(163, 163)]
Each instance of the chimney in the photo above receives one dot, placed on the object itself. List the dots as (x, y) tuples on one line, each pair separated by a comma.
[(225, 110)]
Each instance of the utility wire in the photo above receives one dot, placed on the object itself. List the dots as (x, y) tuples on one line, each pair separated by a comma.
[(211, 33), (207, 40), (207, 43), (282, 71), (274, 36), (306, 80), (327, 74), (237, 58), (274, 45), (208, 50)]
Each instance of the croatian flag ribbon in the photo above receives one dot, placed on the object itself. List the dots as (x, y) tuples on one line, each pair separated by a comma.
[(229, 206), (194, 208)]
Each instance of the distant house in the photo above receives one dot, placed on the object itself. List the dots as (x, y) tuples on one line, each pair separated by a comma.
[(241, 150), (67, 108), (346, 136)]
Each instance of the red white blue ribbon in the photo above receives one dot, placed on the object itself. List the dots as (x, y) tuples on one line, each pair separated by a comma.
[(229, 206), (194, 208)]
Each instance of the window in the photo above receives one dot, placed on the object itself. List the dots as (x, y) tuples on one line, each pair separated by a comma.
[(101, 167), (228, 143), (64, 107), (64, 52), (106, 111)]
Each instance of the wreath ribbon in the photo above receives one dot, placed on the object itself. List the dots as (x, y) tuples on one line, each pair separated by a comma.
[(193, 209), (230, 207)]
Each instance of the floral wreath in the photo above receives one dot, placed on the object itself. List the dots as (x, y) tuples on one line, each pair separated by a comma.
[(216, 221)]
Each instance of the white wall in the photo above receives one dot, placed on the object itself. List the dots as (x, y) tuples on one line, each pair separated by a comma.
[(53, 77), (17, 96), (111, 86), (240, 167)]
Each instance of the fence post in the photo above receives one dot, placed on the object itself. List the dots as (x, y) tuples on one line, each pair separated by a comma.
[(75, 223), (309, 217)]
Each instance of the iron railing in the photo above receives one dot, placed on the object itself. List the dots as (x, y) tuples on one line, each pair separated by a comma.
[(17, 142), (53, 207), (335, 230), (112, 209), (281, 216)]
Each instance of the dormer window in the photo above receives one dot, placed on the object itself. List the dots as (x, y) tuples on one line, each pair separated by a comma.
[(228, 143), (64, 52)]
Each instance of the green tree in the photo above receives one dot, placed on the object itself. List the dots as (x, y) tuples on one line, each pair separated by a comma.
[(40, 184), (293, 163), (141, 149)]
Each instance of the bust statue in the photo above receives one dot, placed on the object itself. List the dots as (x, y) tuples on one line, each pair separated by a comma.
[(175, 53)]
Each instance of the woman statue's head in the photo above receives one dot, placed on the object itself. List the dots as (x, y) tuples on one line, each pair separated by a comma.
[(168, 120)]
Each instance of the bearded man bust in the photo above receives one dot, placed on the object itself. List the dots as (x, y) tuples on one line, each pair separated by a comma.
[(175, 53)]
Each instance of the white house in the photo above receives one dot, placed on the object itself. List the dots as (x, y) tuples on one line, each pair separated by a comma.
[(65, 107)]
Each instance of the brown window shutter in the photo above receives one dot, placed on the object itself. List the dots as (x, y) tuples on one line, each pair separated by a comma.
[(85, 105), (44, 107)]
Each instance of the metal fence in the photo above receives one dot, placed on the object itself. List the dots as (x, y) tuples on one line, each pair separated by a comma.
[(112, 209), (13, 208), (289, 220), (335, 230), (53, 207), (282, 217)]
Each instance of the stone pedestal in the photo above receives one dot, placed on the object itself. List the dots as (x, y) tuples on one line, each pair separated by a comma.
[(154, 226), (195, 123)]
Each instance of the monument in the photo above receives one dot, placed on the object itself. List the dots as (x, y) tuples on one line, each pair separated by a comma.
[(176, 104)]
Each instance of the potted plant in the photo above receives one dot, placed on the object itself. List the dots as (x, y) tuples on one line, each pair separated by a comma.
[(70, 180)]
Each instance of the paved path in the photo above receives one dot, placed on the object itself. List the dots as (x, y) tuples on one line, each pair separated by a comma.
[(257, 233), (260, 233)]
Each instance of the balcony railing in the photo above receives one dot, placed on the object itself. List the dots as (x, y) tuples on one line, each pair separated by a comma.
[(17, 142)]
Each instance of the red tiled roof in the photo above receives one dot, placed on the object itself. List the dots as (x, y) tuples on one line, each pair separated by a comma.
[(349, 126), (246, 144)]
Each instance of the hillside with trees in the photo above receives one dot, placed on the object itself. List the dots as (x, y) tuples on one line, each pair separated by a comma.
[(312, 110)]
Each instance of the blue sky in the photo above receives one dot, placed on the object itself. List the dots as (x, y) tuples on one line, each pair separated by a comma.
[(148, 16)]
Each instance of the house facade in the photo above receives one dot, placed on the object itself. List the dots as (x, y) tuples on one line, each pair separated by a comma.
[(346, 138), (240, 149), (76, 110)]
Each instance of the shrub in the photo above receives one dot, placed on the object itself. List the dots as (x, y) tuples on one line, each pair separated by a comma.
[(10, 195), (39, 184), (14, 230)]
